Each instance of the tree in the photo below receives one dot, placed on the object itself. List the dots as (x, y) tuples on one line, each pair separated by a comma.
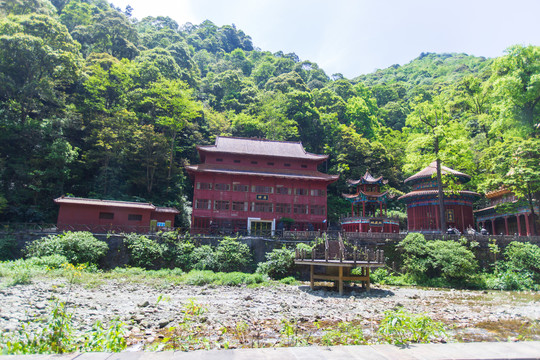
[(516, 83), (430, 119)]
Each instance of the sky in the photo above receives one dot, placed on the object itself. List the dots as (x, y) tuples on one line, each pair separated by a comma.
[(355, 37)]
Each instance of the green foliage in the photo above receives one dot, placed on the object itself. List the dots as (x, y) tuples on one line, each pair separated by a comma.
[(232, 255), (279, 263), (205, 277), (345, 333), (144, 252), (400, 327), (437, 258), (78, 247), (56, 336), (203, 258)]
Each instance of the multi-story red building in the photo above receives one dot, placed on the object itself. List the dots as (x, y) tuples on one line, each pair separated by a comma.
[(258, 186)]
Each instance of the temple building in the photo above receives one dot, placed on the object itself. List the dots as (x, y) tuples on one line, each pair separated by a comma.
[(423, 201), (513, 219), (257, 186), (369, 207), (95, 215)]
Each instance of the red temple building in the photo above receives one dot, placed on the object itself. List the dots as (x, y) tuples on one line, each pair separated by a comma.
[(369, 207), (80, 214), (513, 220), (257, 186), (423, 201)]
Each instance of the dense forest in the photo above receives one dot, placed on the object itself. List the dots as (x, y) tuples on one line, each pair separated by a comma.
[(96, 103)]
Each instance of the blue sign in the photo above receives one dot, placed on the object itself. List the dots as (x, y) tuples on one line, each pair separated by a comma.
[(161, 224)]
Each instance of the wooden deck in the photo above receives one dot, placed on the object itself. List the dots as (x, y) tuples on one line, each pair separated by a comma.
[(338, 260)]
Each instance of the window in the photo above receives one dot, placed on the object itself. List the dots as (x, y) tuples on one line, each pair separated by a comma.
[(300, 209), (282, 190), (270, 163), (304, 166), (262, 207), (134, 217), (222, 187), (237, 161), (202, 204), (287, 165), (221, 205), (262, 189), (298, 191), (204, 186), (240, 187), (254, 162), (239, 206), (317, 209), (219, 160), (283, 208), (318, 192), (106, 215)]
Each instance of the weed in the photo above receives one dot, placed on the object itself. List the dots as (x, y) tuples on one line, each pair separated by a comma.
[(400, 327), (345, 333)]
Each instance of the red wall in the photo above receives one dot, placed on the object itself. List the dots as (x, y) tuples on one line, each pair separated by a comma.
[(86, 217)]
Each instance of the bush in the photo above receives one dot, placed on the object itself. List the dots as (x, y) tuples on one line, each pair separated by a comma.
[(203, 258), (144, 252), (183, 258), (232, 255), (51, 261), (279, 264), (78, 247), (448, 259), (400, 327), (510, 280), (524, 258)]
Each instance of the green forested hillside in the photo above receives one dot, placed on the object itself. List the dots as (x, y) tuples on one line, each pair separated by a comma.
[(97, 104)]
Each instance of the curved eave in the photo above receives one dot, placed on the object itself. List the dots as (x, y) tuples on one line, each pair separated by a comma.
[(434, 193), (429, 171), (356, 196), (193, 169)]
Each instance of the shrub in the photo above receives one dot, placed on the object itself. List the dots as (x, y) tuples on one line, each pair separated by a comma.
[(279, 264), (183, 258), (78, 247), (232, 255), (144, 252), (448, 259), (523, 257), (203, 258), (510, 280)]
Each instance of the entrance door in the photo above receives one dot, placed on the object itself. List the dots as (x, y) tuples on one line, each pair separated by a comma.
[(261, 228)]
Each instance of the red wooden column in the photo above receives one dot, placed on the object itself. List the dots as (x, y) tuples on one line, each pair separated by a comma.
[(519, 225), (363, 208), (527, 225), (506, 225), (437, 219), (380, 207), (352, 209), (493, 231)]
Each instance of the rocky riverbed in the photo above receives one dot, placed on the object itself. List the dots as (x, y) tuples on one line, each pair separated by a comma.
[(258, 314)]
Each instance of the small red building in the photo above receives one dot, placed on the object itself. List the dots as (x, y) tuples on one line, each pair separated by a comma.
[(369, 207), (256, 186), (423, 201), (80, 214)]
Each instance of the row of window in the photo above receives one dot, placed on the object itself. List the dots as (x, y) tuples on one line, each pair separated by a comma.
[(237, 161), (260, 207), (260, 189), (110, 216)]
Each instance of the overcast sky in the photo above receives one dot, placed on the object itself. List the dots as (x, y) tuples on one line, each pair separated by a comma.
[(355, 37)]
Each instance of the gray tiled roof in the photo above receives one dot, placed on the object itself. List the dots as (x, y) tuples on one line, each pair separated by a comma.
[(261, 147)]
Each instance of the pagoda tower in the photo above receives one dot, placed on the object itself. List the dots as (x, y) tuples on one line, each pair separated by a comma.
[(369, 207), (423, 201)]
